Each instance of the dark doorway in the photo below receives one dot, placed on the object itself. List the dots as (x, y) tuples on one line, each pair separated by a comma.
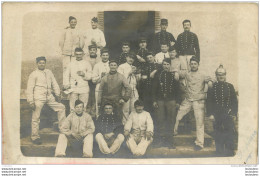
[(120, 26)]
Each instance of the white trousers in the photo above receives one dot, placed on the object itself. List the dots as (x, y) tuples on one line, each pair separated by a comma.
[(75, 96), (109, 148), (136, 147), (96, 97), (57, 107), (128, 107), (185, 62), (63, 142), (199, 113)]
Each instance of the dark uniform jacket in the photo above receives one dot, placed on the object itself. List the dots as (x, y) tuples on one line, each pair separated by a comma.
[(165, 87), (188, 44), (161, 37), (222, 100), (121, 58), (142, 53), (107, 123)]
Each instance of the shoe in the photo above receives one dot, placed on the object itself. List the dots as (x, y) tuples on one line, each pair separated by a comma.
[(60, 156), (197, 147), (37, 141)]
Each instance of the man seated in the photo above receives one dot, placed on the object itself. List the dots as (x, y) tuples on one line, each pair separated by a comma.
[(77, 129), (139, 130), (109, 129)]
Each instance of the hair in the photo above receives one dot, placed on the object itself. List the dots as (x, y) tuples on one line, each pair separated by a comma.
[(126, 44), (111, 61), (79, 50), (94, 19), (107, 103), (92, 46), (104, 50), (138, 103), (72, 18), (186, 21), (149, 53), (164, 43), (193, 58), (168, 60), (38, 59), (77, 102)]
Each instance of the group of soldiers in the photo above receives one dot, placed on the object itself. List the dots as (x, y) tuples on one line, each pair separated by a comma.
[(113, 99)]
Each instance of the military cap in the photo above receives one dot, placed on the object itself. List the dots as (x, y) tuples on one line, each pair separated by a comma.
[(126, 43), (38, 59), (149, 53), (220, 70), (78, 50), (139, 103), (71, 18), (164, 21), (193, 58), (104, 50), (142, 39), (94, 19), (92, 46), (113, 61)]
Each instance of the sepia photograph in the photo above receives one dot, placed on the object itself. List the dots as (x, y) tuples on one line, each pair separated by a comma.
[(137, 85)]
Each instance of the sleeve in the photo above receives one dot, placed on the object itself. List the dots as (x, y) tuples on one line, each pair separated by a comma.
[(102, 39), (149, 123), (155, 87), (209, 102), (129, 123), (178, 92), (90, 127), (128, 89), (172, 38), (55, 85), (81, 40), (120, 70), (154, 43), (66, 126), (95, 74), (101, 88), (88, 74), (30, 88), (119, 127), (234, 101), (197, 47), (66, 75), (62, 40), (178, 45), (98, 125)]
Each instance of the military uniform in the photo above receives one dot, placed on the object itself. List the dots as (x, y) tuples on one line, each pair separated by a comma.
[(160, 38), (223, 105), (142, 53)]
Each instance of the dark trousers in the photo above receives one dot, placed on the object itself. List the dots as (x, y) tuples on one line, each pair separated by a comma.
[(224, 135)]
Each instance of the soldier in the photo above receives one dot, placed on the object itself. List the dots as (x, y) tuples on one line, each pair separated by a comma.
[(125, 51), (159, 57), (129, 71), (222, 105), (39, 92), (77, 129), (76, 78), (141, 54), (99, 71), (94, 36), (109, 131), (196, 83), (163, 36), (188, 45), (165, 99), (114, 88), (70, 39)]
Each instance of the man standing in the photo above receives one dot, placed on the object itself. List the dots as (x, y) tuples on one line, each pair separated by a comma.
[(163, 36), (188, 45), (76, 79), (141, 54), (165, 99), (114, 88), (94, 36), (99, 71), (39, 92), (196, 83), (222, 105), (77, 129), (125, 52)]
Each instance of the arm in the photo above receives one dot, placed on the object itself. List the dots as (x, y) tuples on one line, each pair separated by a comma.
[(55, 85), (234, 101), (102, 42), (209, 102), (129, 123), (128, 89), (62, 40), (155, 88), (119, 127), (66, 126), (149, 123), (90, 126), (66, 76), (101, 88), (95, 75), (88, 74), (197, 47), (30, 88)]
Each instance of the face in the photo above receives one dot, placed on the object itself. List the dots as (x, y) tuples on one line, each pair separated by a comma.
[(173, 54), (94, 25), (125, 49), (79, 55), (150, 58), (143, 44), (164, 48), (187, 26), (108, 109), (129, 60), (139, 109), (166, 66), (79, 108), (164, 27), (221, 77), (73, 23), (41, 65), (104, 57), (113, 67), (194, 65), (92, 51)]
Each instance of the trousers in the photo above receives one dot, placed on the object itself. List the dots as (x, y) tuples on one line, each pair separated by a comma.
[(138, 144), (63, 143), (185, 62), (199, 113), (57, 107), (111, 145), (76, 96), (128, 107)]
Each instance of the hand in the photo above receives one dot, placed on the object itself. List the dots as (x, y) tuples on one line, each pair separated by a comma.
[(144, 76), (103, 74), (32, 106), (126, 134), (148, 135), (140, 59), (172, 43), (207, 79), (109, 135), (121, 101), (153, 74), (211, 117), (210, 84), (176, 76), (76, 136), (155, 105), (81, 73)]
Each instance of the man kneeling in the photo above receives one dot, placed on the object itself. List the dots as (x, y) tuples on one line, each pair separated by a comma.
[(77, 129), (109, 129), (139, 130)]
